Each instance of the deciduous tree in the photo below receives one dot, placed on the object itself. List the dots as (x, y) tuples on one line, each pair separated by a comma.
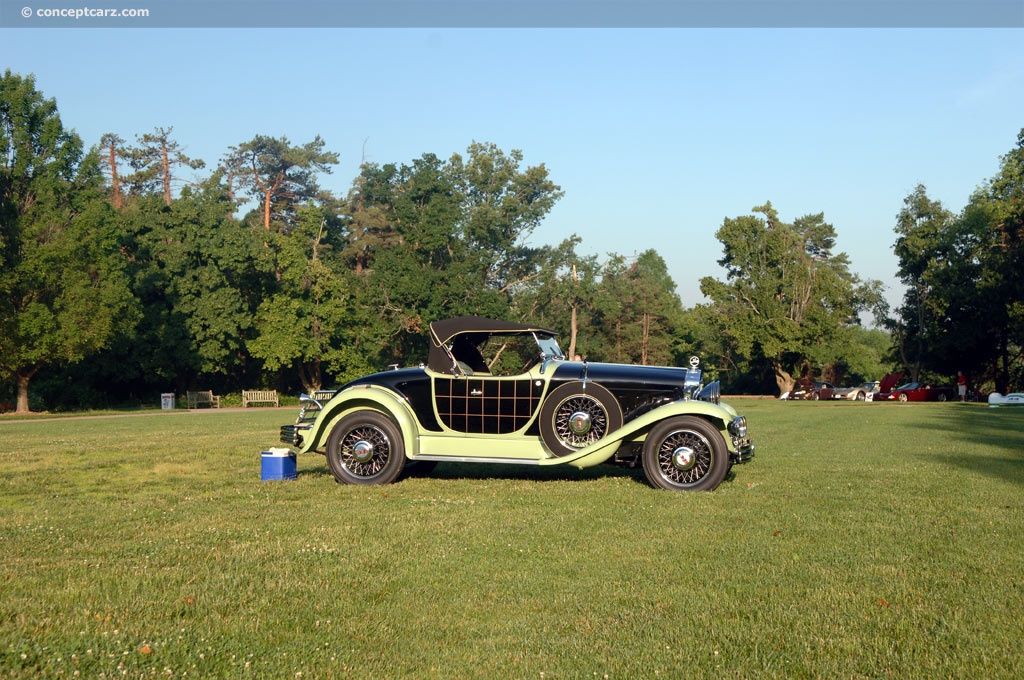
[(786, 296), (63, 294)]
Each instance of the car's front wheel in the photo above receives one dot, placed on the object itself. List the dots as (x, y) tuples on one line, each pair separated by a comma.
[(861, 396), (685, 453), (903, 396), (365, 447)]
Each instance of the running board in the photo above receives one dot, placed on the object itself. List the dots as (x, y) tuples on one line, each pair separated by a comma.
[(471, 459)]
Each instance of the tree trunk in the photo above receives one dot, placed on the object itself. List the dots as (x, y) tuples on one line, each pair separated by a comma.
[(572, 335), (23, 380), (311, 376), (783, 380), (646, 338), (266, 209), (1002, 377), (115, 182), (167, 177)]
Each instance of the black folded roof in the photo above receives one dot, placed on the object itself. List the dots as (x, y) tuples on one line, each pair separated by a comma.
[(442, 332)]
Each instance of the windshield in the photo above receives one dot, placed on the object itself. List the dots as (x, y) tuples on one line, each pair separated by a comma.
[(549, 347)]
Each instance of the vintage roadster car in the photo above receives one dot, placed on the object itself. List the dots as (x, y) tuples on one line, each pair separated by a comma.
[(552, 411)]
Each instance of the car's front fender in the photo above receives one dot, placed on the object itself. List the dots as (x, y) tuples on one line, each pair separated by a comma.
[(718, 414), (360, 397)]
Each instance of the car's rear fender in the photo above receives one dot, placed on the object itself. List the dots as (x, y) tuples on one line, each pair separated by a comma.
[(599, 452), (361, 397)]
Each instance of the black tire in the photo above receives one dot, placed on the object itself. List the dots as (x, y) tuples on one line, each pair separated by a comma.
[(685, 453), (861, 396), (365, 448), (903, 397), (941, 397), (576, 415)]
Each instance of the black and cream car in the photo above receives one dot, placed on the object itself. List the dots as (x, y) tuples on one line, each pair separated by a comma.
[(550, 411)]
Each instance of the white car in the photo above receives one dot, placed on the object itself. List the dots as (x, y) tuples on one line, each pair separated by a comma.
[(858, 393), (1015, 399)]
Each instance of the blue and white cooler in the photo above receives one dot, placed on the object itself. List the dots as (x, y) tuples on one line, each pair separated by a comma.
[(279, 464)]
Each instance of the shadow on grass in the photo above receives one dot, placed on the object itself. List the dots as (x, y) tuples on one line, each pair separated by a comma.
[(507, 472), (483, 471), (533, 473), (999, 429)]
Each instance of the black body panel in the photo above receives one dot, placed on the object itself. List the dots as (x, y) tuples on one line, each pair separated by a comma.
[(489, 405), (637, 388), (414, 385)]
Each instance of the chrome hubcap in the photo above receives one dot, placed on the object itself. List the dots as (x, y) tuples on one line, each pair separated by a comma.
[(683, 458), (579, 423), (362, 451)]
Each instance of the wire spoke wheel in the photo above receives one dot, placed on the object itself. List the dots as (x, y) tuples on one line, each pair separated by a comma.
[(576, 415), (685, 453), (581, 421), (365, 448), (684, 457), (365, 451)]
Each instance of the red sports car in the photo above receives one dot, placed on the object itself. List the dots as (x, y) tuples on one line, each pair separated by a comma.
[(917, 391)]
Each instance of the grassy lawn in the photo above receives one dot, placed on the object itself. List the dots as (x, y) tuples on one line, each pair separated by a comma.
[(865, 540)]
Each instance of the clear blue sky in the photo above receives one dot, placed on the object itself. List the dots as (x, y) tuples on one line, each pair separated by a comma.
[(655, 135)]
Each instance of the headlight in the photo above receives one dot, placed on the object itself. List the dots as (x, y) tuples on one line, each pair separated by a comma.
[(738, 427)]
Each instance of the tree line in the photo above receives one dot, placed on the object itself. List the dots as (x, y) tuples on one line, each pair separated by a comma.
[(120, 280)]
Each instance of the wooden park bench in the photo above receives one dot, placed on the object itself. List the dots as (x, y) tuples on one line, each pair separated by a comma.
[(203, 398), (259, 397)]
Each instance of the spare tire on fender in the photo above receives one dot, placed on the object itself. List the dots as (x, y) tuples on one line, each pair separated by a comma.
[(576, 415)]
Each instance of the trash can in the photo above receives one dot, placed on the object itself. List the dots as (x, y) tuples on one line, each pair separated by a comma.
[(279, 464), (167, 401)]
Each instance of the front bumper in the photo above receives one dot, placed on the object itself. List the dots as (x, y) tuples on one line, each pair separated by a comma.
[(292, 434), (744, 452)]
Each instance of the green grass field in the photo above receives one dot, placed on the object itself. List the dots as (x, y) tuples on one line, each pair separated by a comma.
[(864, 541)]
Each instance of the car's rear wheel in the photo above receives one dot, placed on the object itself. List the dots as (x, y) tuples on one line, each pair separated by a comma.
[(860, 396), (941, 397), (685, 453), (576, 415), (365, 448)]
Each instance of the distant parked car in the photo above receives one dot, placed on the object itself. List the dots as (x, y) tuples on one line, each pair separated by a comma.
[(888, 381), (917, 391), (813, 391), (858, 393)]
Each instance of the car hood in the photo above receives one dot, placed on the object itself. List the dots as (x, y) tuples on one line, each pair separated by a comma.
[(889, 382)]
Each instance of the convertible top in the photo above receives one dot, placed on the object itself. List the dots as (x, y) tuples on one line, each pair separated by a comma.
[(474, 330), (443, 331)]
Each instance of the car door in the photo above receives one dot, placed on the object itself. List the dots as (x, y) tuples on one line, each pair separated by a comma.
[(486, 404)]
